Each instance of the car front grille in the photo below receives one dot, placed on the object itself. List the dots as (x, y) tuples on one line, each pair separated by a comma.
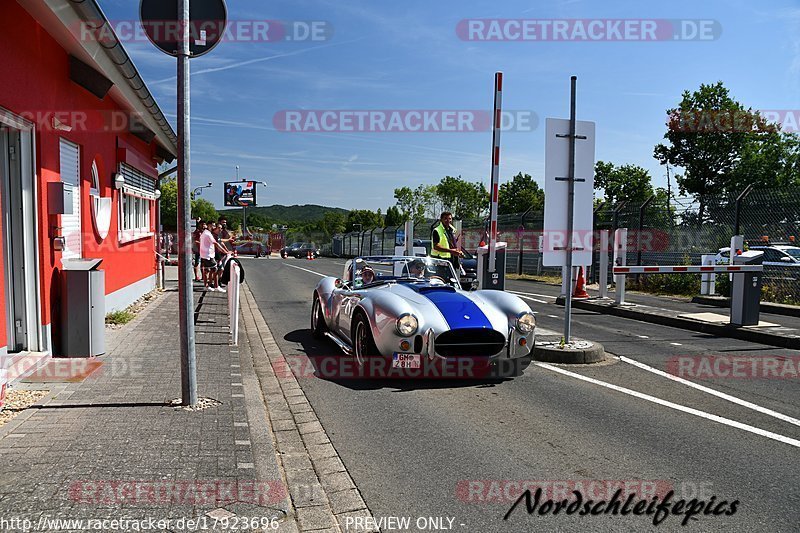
[(470, 342)]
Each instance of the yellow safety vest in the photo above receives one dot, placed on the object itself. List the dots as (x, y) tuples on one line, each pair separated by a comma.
[(443, 241)]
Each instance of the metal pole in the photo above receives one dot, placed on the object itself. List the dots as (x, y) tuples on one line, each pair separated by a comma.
[(739, 207), (570, 208), (186, 295), (522, 239), (639, 232)]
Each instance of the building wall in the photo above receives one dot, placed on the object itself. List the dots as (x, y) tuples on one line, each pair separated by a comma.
[(35, 83)]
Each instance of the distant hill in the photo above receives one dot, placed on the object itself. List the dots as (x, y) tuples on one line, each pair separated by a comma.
[(288, 214)]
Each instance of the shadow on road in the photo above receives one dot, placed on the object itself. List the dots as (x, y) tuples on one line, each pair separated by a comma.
[(322, 359)]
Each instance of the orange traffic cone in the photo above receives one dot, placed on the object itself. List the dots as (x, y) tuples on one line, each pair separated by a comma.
[(580, 289), (309, 256)]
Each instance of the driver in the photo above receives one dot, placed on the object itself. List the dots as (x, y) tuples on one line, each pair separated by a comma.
[(367, 275), (416, 268)]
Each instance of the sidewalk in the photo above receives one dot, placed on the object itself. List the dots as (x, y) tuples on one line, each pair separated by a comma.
[(113, 446)]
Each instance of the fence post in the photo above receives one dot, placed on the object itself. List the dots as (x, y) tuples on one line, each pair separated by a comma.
[(603, 263), (739, 201), (642, 209), (233, 302), (593, 274)]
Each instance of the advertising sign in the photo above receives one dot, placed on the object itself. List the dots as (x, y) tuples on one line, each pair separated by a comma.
[(240, 194)]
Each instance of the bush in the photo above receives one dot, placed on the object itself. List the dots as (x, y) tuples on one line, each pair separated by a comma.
[(118, 318)]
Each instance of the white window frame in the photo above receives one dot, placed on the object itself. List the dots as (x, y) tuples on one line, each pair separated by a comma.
[(134, 212)]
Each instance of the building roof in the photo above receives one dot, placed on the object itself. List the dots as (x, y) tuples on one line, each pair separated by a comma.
[(66, 20)]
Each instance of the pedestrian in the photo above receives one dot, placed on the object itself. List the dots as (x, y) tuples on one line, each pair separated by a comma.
[(200, 226), (445, 242), (208, 263)]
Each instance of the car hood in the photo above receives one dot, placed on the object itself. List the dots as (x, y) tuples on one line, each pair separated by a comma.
[(444, 308)]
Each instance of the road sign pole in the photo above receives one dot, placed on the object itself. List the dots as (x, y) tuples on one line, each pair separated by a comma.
[(570, 207), (186, 296)]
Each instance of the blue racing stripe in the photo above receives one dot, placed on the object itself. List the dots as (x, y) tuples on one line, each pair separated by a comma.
[(458, 310)]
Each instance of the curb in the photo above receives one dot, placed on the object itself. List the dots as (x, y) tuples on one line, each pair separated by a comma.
[(766, 307), (550, 352), (781, 340)]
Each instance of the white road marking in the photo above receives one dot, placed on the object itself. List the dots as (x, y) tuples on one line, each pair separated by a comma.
[(306, 270), (553, 316), (643, 336), (718, 394), (534, 294), (677, 407), (676, 344), (529, 298)]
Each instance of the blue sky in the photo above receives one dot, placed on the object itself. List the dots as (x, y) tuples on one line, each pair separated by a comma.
[(406, 56)]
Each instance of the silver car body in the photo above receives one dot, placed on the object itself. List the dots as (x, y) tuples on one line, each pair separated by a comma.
[(440, 306)]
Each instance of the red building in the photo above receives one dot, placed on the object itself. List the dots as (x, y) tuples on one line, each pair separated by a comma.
[(74, 115)]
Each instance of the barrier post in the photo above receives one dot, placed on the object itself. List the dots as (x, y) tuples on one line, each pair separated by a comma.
[(604, 263), (708, 281), (233, 302), (620, 259)]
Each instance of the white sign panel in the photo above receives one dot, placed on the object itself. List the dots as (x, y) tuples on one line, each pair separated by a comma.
[(556, 193)]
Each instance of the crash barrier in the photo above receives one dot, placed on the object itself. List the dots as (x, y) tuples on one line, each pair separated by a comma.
[(234, 286), (745, 293)]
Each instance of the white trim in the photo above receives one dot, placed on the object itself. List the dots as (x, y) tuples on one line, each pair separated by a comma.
[(38, 336), (122, 298), (128, 236)]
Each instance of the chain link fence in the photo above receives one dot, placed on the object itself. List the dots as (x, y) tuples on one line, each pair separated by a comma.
[(677, 231)]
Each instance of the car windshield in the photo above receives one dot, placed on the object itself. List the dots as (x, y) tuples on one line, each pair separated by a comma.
[(423, 270), (295, 245), (794, 252)]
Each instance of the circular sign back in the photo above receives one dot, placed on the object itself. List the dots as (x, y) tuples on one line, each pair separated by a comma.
[(161, 24)]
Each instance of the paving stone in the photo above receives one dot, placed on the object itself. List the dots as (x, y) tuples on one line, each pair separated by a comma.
[(329, 465), (355, 515), (336, 482), (313, 518), (346, 501)]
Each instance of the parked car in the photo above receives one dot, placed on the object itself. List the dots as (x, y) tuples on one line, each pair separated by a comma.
[(413, 314), (254, 248), (774, 255), (300, 250)]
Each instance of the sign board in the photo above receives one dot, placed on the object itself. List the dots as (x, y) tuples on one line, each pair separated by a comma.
[(240, 194), (161, 24), (556, 193)]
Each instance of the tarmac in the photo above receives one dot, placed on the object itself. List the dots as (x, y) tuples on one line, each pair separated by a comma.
[(109, 447)]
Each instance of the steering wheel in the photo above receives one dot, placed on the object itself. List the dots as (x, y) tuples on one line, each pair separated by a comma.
[(437, 280)]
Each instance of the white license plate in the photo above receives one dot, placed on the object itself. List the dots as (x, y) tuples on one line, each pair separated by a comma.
[(406, 360)]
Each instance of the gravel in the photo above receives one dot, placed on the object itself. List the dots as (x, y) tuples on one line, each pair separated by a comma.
[(19, 400)]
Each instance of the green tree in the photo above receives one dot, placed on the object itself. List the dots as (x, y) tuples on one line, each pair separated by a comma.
[(332, 222), (204, 209), (708, 134), (626, 182), (393, 217), (464, 199), (169, 204), (519, 195), (411, 203), (368, 219)]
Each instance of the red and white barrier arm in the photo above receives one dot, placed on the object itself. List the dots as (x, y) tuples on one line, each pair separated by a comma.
[(690, 269), (495, 176)]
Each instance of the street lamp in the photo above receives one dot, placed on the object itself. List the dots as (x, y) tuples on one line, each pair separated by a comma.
[(200, 188)]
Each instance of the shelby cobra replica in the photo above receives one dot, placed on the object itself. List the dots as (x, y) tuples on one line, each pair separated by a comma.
[(413, 311)]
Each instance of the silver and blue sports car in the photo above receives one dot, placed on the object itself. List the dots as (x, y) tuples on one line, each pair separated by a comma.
[(412, 313)]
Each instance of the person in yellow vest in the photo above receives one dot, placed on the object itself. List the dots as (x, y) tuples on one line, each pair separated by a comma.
[(444, 241)]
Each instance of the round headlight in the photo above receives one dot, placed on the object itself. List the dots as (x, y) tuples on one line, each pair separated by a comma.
[(407, 325), (526, 322)]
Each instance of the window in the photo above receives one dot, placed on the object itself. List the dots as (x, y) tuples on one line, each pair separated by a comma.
[(136, 198)]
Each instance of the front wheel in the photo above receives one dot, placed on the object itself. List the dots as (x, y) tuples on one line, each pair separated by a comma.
[(318, 326), (363, 343)]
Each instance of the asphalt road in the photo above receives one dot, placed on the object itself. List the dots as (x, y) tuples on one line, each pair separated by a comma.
[(459, 450)]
